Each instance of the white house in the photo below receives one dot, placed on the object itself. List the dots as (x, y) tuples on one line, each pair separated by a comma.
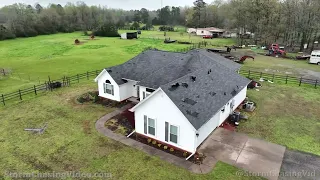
[(182, 97), (191, 30), (209, 31)]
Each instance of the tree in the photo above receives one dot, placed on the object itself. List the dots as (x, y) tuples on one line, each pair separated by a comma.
[(198, 13), (108, 29), (137, 16), (144, 15)]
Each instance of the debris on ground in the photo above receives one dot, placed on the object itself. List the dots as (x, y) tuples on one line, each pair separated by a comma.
[(254, 84), (37, 130)]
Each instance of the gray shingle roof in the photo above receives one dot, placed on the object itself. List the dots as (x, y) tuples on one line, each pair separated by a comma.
[(200, 83)]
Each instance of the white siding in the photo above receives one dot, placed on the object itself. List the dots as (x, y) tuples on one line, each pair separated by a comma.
[(127, 89), (142, 90), (203, 32), (220, 117), (207, 128), (162, 109), (102, 79), (124, 36)]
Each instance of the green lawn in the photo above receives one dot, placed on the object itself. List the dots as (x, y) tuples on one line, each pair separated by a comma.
[(184, 36), (279, 65), (34, 59), (71, 142), (286, 115)]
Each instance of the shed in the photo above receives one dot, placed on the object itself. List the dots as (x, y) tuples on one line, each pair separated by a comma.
[(129, 35)]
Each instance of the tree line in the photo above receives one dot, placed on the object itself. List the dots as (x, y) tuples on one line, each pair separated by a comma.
[(290, 22)]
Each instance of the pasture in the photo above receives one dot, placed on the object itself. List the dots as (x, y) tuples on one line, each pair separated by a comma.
[(31, 60)]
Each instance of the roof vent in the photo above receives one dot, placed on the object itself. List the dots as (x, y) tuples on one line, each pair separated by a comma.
[(193, 78), (109, 70), (174, 86), (198, 96), (212, 93), (185, 85), (225, 93), (194, 114), (237, 86), (189, 101)]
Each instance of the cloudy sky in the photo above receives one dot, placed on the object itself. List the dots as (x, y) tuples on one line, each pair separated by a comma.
[(123, 4)]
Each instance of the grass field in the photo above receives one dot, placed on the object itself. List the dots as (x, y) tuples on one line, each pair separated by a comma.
[(34, 59), (71, 142), (286, 115), (183, 36), (279, 65)]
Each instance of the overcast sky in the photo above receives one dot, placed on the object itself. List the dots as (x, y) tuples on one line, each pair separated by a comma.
[(123, 4)]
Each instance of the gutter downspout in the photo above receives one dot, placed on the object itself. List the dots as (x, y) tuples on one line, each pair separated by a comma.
[(190, 156), (131, 133)]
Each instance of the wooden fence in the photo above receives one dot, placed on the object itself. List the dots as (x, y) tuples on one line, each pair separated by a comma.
[(280, 78), (49, 85)]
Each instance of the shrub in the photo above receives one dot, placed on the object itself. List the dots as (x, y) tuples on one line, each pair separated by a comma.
[(185, 154), (171, 149), (149, 140), (166, 28), (159, 145), (154, 142), (107, 30), (77, 41), (165, 147)]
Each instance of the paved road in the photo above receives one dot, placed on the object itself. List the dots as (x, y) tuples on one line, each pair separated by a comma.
[(300, 165)]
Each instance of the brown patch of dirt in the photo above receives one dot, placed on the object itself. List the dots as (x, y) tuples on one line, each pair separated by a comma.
[(86, 127)]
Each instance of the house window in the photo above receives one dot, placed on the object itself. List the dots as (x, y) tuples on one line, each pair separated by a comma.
[(151, 126), (174, 134), (146, 94), (108, 88), (222, 110)]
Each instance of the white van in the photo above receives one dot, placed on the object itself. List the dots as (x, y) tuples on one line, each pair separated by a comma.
[(315, 57)]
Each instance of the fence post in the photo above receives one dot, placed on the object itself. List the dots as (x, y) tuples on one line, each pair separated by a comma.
[(273, 78), (300, 81), (87, 75), (20, 94), (4, 73), (249, 74), (3, 100), (287, 79), (78, 78), (315, 85), (35, 89), (260, 75), (96, 72)]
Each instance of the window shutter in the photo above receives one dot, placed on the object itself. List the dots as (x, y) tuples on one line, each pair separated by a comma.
[(166, 131), (104, 88), (145, 124), (144, 95), (112, 90)]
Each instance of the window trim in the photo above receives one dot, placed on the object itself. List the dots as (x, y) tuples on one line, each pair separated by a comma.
[(169, 132), (105, 88), (155, 124)]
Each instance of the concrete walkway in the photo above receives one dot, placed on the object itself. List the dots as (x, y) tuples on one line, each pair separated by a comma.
[(100, 126), (256, 156)]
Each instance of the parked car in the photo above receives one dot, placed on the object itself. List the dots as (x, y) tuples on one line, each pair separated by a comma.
[(315, 57), (207, 37)]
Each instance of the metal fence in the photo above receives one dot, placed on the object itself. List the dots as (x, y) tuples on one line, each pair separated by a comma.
[(280, 78)]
